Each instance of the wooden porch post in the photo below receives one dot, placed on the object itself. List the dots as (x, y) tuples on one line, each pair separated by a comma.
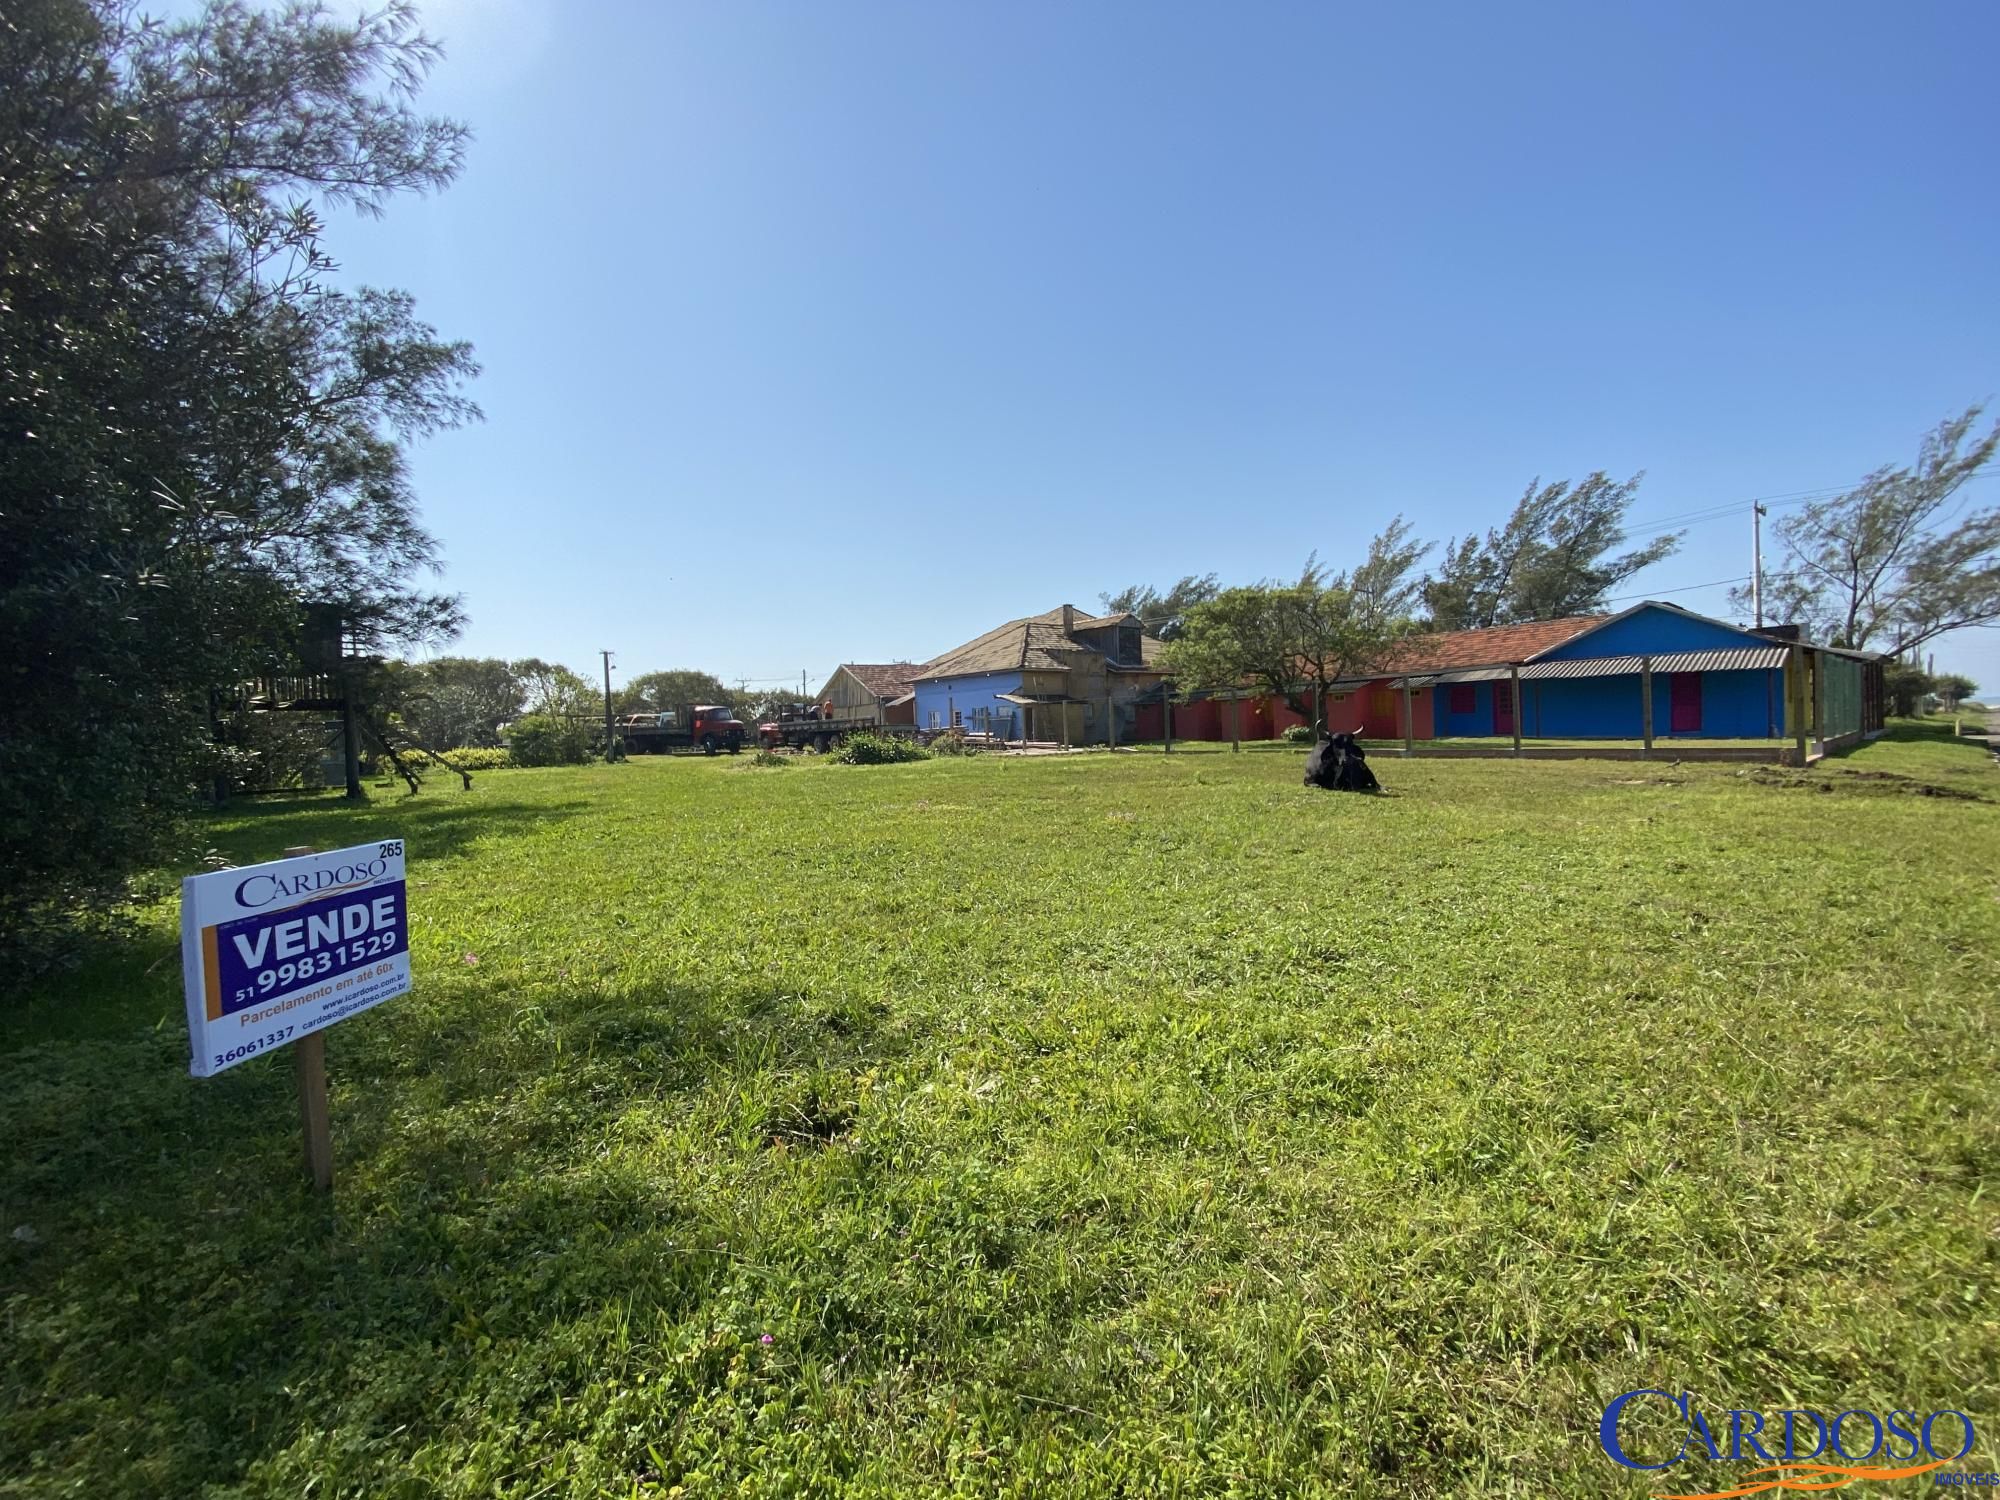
[(1819, 698), (1110, 723), (1514, 687), (1167, 717), (1409, 721), (1646, 706), (1795, 700)]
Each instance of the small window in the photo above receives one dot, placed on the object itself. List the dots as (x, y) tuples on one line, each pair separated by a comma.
[(1129, 650)]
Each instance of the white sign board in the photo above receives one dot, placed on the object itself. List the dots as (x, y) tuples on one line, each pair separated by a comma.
[(273, 952)]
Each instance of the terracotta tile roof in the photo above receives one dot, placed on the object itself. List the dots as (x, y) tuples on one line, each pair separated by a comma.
[(884, 680), (1036, 643), (1482, 648)]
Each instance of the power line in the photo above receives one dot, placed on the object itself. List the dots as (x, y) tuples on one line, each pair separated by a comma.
[(1784, 500), (1686, 588)]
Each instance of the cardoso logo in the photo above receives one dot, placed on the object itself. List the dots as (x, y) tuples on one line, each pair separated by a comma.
[(1787, 1442), (262, 890)]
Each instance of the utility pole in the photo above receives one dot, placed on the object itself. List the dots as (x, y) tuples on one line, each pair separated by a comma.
[(610, 744), (1757, 562)]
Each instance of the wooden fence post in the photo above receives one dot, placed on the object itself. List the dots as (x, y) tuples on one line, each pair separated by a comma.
[(1514, 687), (1409, 721)]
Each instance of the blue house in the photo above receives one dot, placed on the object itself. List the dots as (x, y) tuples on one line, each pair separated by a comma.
[(1708, 680)]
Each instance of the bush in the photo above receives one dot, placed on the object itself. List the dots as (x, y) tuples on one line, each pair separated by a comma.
[(545, 740), (951, 742), (468, 759), (866, 749), (1300, 734), (769, 757), (268, 752)]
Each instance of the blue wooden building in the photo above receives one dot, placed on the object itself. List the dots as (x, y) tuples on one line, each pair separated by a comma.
[(1707, 679)]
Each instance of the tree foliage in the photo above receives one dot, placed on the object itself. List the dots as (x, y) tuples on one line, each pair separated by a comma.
[(554, 690), (1294, 640), (1892, 563), (653, 692), (1909, 688), (1556, 555), (1953, 688), (541, 739), (461, 702), (197, 433), (1162, 614)]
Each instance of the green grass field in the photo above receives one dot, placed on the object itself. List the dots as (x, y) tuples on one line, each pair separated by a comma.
[(1081, 1126)]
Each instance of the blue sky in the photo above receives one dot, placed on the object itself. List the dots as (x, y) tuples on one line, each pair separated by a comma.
[(843, 332)]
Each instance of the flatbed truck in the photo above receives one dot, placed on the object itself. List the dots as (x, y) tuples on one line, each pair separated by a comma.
[(707, 727)]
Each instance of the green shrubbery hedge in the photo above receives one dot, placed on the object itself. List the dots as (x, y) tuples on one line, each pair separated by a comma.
[(467, 759), (877, 750), (545, 740)]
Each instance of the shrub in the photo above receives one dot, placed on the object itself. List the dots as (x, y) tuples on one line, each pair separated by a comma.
[(545, 740), (769, 757), (1300, 734), (951, 742), (866, 749), (469, 759)]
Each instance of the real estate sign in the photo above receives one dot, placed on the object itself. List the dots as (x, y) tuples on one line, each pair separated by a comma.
[(274, 952)]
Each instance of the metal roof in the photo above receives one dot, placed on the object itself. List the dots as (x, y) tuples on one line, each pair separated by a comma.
[(1737, 659)]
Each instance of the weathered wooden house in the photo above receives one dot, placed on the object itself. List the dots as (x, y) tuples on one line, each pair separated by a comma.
[(1062, 676), (881, 693)]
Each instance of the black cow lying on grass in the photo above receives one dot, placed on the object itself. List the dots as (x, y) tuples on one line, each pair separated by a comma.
[(1339, 765)]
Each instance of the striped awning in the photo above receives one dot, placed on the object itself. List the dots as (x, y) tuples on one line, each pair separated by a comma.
[(1738, 659)]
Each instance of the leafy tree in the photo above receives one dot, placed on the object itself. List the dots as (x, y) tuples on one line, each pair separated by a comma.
[(1909, 688), (652, 692), (1387, 592), (197, 434), (1953, 689), (541, 739), (1552, 558), (458, 702), (1295, 640), (1890, 564), (556, 691), (1162, 615)]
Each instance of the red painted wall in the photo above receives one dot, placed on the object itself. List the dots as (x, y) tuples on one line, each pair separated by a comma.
[(1266, 718)]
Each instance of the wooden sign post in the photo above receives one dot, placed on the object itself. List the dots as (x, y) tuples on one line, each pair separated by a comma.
[(273, 954), (309, 1062)]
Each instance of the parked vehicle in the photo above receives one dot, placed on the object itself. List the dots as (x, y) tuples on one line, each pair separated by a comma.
[(707, 727), (812, 726)]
